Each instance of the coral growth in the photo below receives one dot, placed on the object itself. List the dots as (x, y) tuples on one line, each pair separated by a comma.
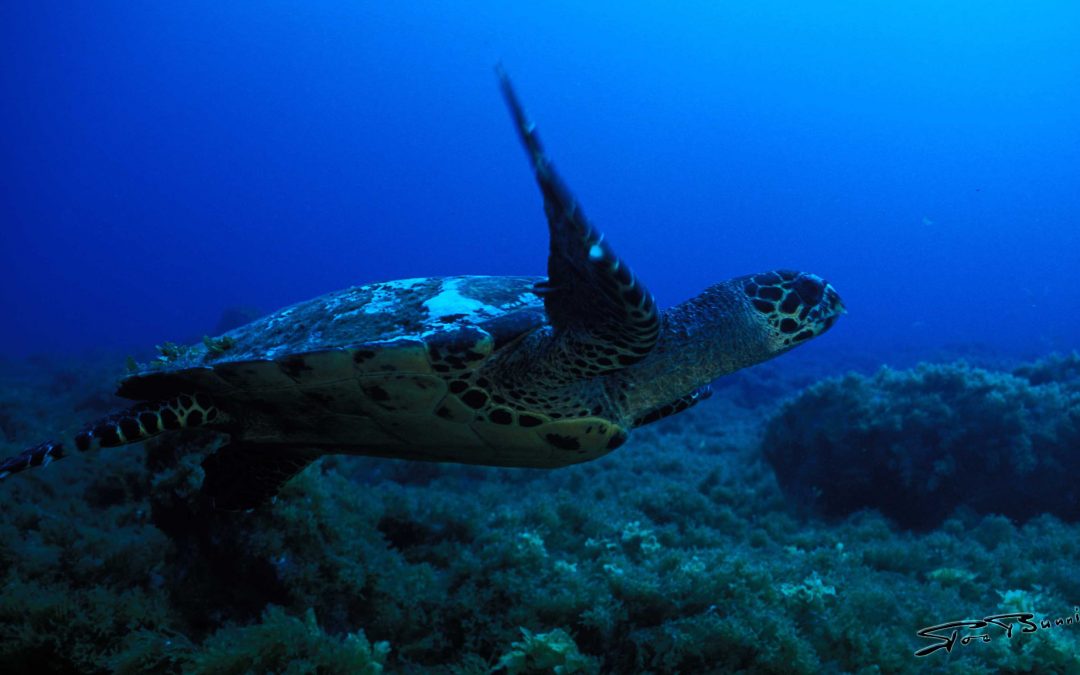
[(676, 553), (918, 444)]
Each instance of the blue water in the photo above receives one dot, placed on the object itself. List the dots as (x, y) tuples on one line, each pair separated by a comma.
[(160, 162)]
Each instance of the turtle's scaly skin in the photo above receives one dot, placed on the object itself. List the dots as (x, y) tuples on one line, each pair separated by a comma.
[(504, 371)]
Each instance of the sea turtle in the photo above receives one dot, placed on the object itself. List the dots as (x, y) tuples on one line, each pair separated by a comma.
[(504, 371)]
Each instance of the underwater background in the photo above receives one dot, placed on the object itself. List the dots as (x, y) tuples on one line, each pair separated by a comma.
[(170, 170)]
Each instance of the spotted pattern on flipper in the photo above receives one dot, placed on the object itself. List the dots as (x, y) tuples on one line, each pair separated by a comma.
[(149, 419), (39, 455), (623, 323), (541, 379), (797, 306), (568, 419), (130, 426), (457, 357), (460, 357), (605, 317)]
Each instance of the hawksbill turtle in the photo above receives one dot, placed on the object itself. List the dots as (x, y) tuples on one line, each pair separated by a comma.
[(521, 371)]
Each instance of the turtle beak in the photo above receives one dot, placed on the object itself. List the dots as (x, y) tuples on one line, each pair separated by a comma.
[(822, 298), (832, 298)]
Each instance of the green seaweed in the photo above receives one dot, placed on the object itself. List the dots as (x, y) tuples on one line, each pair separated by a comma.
[(280, 643), (679, 552), (215, 347), (551, 652)]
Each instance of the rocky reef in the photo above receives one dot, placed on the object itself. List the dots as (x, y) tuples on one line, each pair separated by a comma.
[(677, 553), (918, 444)]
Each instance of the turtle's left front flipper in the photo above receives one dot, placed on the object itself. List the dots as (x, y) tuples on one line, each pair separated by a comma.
[(674, 407), (606, 315), (135, 424)]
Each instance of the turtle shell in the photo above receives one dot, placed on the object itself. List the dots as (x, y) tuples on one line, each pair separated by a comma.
[(382, 369), (378, 327)]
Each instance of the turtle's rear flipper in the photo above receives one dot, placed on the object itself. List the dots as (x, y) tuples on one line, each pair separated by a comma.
[(606, 317), (242, 476), (130, 426), (39, 455)]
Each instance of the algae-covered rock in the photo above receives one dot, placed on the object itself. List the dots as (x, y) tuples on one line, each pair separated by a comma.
[(917, 444), (285, 644), (678, 554)]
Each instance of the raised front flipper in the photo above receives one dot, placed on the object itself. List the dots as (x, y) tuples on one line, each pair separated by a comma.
[(606, 316)]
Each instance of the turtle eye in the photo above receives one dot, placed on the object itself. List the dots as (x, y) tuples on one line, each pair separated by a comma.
[(810, 289)]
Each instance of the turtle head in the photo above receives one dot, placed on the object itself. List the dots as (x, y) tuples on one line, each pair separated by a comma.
[(796, 306), (730, 325)]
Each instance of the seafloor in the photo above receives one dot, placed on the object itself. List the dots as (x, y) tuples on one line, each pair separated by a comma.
[(680, 552)]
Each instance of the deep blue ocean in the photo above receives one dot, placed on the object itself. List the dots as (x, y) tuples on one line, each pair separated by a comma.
[(161, 162), (171, 169)]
